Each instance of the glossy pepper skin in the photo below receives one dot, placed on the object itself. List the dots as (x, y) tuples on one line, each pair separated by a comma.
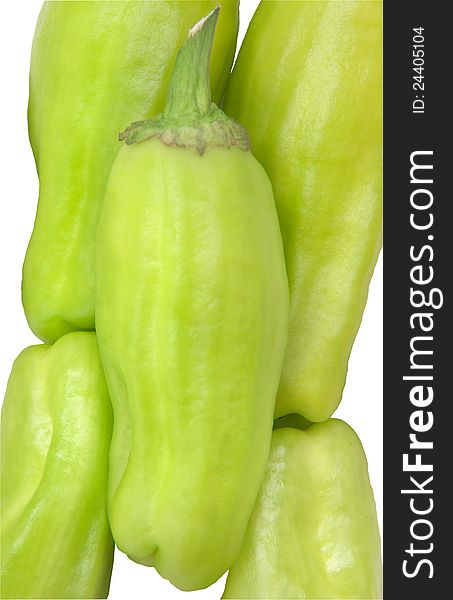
[(56, 429), (307, 87), (191, 314), (95, 67), (313, 533)]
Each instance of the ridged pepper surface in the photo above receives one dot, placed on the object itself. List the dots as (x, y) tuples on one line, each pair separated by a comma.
[(95, 67), (191, 314), (313, 533), (307, 87), (55, 436)]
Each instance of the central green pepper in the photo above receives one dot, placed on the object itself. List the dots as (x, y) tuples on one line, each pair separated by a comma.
[(191, 316), (95, 67)]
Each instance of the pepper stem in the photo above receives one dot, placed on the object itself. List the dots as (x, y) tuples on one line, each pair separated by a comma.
[(190, 119), (190, 90)]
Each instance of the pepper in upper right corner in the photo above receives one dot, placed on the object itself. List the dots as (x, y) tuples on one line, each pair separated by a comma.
[(307, 85)]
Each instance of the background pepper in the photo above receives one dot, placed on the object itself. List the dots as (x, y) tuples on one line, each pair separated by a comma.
[(313, 532), (95, 67), (191, 314), (307, 86), (56, 427)]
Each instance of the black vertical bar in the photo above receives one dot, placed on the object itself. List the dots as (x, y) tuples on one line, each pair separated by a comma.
[(417, 255)]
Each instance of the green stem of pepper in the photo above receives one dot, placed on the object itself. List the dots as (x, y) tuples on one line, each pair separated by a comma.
[(190, 119), (190, 91)]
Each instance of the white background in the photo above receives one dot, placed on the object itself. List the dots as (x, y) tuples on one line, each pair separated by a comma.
[(361, 406)]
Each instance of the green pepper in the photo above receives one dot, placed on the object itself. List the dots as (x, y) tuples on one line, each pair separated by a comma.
[(95, 67), (55, 436), (307, 86), (191, 315), (313, 533)]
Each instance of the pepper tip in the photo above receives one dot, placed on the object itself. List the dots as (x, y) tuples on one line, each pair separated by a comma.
[(195, 29)]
